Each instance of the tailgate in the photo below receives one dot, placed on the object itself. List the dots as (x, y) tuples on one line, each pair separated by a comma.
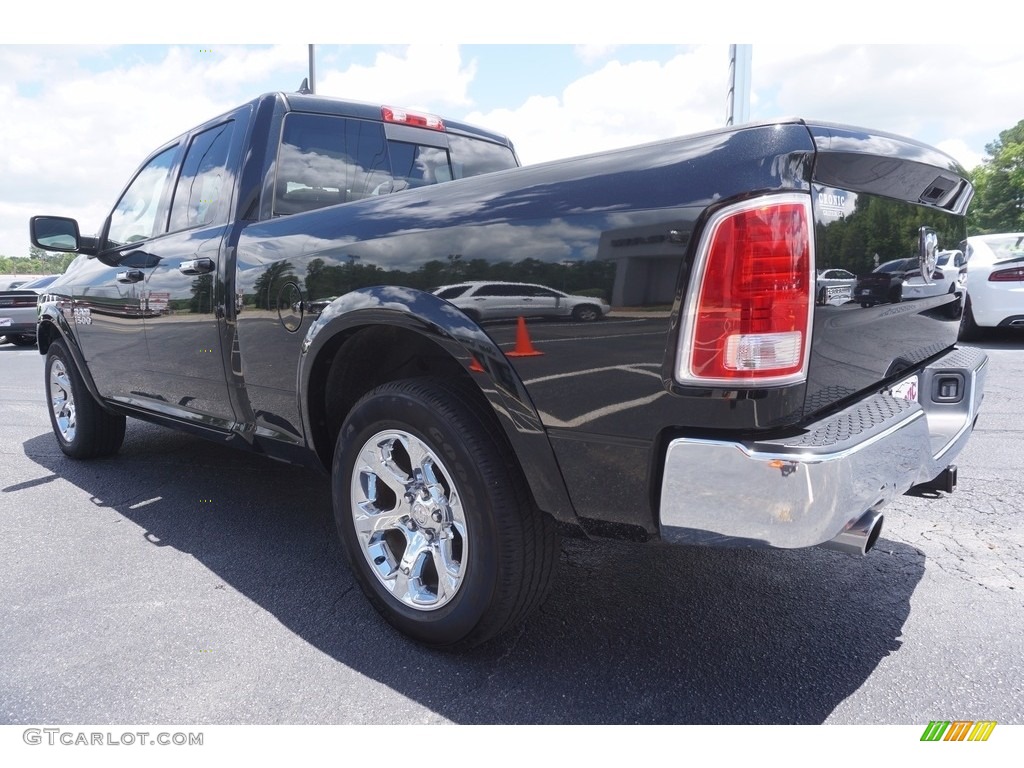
[(876, 199)]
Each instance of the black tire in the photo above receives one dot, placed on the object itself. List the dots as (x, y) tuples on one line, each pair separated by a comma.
[(969, 329), (477, 521), (21, 340), (82, 428), (586, 313)]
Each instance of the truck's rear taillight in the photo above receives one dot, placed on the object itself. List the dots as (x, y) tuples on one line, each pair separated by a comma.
[(396, 115), (1012, 275), (748, 316)]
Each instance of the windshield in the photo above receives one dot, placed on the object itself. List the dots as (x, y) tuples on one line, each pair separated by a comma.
[(900, 265), (39, 282), (1006, 246)]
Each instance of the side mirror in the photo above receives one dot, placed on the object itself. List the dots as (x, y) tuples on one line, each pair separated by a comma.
[(58, 233)]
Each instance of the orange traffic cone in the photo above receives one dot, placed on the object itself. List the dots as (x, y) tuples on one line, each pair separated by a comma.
[(474, 365), (524, 347)]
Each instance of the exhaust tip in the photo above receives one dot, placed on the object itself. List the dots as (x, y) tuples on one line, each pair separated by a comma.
[(873, 534), (860, 536)]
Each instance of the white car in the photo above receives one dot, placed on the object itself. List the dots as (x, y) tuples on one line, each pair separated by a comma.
[(949, 276), (497, 300), (995, 283), (835, 286)]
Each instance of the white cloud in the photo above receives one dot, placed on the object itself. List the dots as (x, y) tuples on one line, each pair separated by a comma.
[(591, 54), (418, 77), (935, 93), (618, 105), (247, 65), (79, 134), (961, 152)]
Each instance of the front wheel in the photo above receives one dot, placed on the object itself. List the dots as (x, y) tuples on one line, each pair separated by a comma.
[(82, 428), (435, 519), (586, 313)]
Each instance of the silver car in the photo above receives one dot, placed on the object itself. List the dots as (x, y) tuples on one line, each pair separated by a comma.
[(18, 311), (497, 300)]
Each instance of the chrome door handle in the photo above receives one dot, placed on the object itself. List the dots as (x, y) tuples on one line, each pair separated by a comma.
[(130, 276), (197, 266)]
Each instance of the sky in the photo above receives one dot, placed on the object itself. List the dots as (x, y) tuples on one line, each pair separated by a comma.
[(78, 117)]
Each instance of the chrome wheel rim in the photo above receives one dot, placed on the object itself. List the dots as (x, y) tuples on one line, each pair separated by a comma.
[(409, 520), (62, 401)]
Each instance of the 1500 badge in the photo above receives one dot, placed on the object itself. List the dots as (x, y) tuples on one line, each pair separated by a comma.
[(83, 316)]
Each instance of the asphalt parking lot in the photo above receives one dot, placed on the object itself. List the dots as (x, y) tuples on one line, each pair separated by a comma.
[(182, 582)]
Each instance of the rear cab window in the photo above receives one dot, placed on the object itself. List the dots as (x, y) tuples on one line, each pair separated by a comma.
[(329, 159)]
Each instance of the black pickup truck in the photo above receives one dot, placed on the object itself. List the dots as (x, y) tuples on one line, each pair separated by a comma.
[(297, 276)]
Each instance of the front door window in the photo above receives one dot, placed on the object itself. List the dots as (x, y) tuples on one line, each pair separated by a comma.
[(135, 217)]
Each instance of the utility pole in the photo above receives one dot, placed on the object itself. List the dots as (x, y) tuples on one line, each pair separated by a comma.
[(737, 108)]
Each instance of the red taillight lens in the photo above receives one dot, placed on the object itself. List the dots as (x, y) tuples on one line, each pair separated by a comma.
[(750, 321), (395, 115), (1012, 275)]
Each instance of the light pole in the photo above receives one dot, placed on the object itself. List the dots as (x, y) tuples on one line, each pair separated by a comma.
[(312, 69), (737, 109)]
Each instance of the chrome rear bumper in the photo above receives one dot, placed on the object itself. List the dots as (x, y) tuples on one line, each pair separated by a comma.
[(814, 487)]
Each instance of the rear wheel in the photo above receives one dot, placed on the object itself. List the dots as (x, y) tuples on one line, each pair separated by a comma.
[(82, 428), (21, 340), (435, 516)]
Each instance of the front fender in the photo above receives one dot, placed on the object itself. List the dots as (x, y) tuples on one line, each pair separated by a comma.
[(52, 324), (464, 341)]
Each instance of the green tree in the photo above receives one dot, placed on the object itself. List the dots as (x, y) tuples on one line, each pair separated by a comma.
[(38, 262), (269, 284), (998, 204)]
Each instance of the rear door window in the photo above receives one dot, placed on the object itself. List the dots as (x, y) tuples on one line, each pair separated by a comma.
[(204, 187), (326, 160), (452, 293)]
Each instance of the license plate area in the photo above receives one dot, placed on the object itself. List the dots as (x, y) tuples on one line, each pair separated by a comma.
[(905, 390)]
